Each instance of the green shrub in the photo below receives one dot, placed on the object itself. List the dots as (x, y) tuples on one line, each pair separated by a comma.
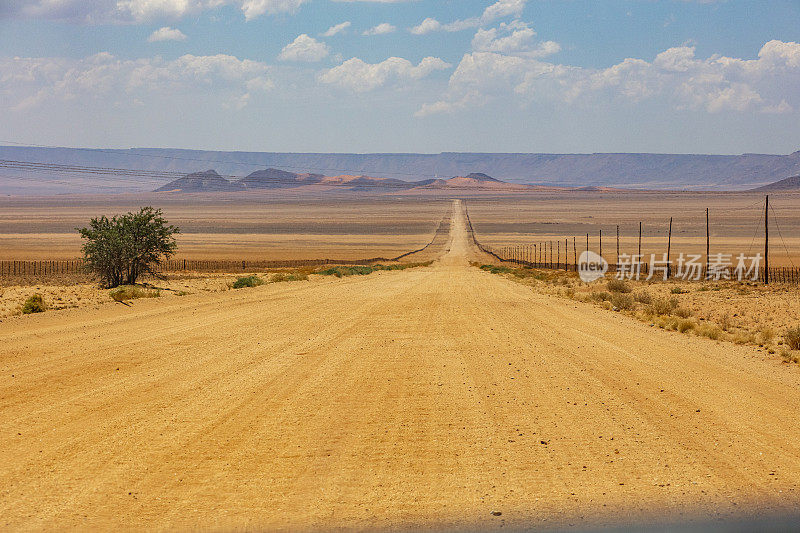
[(622, 301), (494, 269), (247, 281), (131, 292), (792, 338), (618, 285), (678, 290), (34, 304)]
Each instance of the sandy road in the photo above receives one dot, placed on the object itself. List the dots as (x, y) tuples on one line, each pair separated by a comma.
[(427, 397)]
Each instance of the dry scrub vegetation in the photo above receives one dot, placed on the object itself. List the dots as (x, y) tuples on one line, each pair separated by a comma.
[(52, 294), (741, 313)]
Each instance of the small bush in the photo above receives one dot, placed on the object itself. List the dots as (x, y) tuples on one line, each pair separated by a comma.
[(789, 356), (496, 269), (682, 312), (622, 301), (766, 335), (712, 332), (286, 276), (247, 281), (792, 338), (678, 290), (131, 292), (726, 322), (643, 297), (618, 285), (663, 306), (341, 271), (600, 296), (685, 325), (34, 304)]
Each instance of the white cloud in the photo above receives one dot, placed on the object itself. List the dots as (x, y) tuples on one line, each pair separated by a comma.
[(503, 8), (255, 8), (359, 76), (338, 28), (28, 82), (304, 48), (166, 34), (381, 29), (498, 10), (137, 11), (508, 67), (515, 38), (426, 26)]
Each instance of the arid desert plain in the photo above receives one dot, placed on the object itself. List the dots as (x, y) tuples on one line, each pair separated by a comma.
[(453, 391)]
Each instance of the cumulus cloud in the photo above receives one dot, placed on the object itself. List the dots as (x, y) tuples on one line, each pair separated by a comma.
[(359, 76), (137, 11), (498, 68), (28, 82), (381, 29), (515, 38), (304, 48), (166, 34), (498, 10), (338, 28)]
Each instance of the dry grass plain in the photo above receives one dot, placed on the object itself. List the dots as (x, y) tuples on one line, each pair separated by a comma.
[(438, 397), (233, 226)]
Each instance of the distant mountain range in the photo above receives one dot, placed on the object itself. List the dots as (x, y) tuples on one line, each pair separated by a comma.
[(642, 171), (272, 178)]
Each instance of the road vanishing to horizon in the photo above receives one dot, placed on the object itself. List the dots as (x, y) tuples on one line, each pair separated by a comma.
[(434, 397)]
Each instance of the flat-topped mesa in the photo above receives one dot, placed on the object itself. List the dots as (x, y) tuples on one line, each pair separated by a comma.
[(206, 181)]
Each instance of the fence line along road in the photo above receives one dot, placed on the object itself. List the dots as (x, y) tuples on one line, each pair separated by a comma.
[(53, 268), (541, 256)]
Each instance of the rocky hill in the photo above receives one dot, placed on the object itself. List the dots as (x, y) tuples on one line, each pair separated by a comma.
[(787, 184), (272, 178), (207, 181)]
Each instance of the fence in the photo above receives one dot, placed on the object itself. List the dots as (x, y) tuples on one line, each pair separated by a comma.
[(550, 255), (55, 268)]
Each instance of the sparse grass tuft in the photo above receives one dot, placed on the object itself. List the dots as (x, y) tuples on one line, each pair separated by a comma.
[(618, 285), (287, 276), (663, 306), (363, 270), (710, 331), (132, 292), (685, 325), (643, 297), (622, 301), (600, 296), (678, 290), (789, 356), (766, 335), (247, 281), (792, 338), (34, 304), (494, 269), (682, 312)]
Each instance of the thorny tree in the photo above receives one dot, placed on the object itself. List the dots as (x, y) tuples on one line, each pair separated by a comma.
[(122, 248)]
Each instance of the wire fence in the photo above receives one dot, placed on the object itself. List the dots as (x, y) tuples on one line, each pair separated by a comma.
[(563, 254), (10, 269)]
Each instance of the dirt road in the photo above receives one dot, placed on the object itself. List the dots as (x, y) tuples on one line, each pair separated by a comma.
[(428, 397)]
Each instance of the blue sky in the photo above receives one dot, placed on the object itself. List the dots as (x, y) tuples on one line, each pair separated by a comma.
[(403, 76)]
